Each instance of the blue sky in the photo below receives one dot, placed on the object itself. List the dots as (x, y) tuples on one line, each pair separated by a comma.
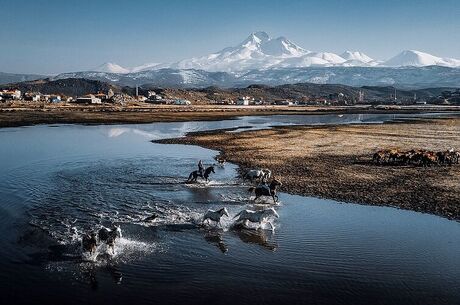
[(60, 36)]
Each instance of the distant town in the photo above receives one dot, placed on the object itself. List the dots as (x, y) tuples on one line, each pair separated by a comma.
[(159, 97)]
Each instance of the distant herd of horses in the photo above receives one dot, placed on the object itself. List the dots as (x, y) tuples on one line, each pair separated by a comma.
[(417, 157), (266, 186)]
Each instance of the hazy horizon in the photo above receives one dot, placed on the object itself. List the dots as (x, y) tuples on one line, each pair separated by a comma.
[(48, 37)]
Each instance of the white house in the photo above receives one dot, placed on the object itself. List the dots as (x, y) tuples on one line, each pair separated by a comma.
[(243, 101), (10, 94), (55, 99), (88, 99), (30, 96), (182, 102)]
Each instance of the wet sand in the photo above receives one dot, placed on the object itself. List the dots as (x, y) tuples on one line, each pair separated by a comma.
[(335, 162), (22, 114)]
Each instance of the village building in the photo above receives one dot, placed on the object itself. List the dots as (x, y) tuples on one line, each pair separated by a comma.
[(182, 102), (32, 97), (244, 101), (88, 99), (54, 99), (10, 94)]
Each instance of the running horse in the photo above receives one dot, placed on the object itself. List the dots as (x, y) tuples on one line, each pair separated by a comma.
[(195, 174), (266, 190)]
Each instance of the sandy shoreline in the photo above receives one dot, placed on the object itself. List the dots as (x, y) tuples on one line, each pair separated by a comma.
[(23, 115), (335, 162)]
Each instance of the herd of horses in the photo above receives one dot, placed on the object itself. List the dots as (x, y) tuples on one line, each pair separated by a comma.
[(265, 186), (418, 157)]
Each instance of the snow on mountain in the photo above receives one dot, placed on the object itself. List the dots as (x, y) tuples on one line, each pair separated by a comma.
[(417, 59), (281, 46), (331, 58), (303, 61), (145, 67), (109, 67), (452, 62), (356, 56), (259, 51)]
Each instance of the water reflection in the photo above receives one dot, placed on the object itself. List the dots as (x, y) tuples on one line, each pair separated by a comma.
[(264, 238), (215, 238)]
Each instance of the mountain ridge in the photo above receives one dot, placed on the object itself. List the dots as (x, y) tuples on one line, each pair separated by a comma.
[(260, 51)]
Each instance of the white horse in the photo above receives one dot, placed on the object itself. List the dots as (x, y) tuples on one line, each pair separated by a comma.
[(215, 215), (267, 174), (254, 174), (256, 216)]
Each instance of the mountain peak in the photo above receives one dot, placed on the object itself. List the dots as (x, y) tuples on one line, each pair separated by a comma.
[(261, 36), (415, 58), (356, 56), (109, 67)]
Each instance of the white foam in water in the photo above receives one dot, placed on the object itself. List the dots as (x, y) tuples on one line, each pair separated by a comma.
[(125, 250)]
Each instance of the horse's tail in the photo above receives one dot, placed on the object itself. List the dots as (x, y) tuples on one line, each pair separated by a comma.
[(237, 214), (251, 189)]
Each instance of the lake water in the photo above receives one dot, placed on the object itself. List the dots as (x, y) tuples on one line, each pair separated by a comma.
[(61, 180)]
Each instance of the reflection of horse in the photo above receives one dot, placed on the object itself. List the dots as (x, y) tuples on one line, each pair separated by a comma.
[(89, 242), (195, 174), (263, 238), (216, 239), (215, 215), (266, 190), (246, 216), (109, 236)]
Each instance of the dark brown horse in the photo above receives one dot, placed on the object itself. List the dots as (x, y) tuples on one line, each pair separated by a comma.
[(193, 177), (266, 190)]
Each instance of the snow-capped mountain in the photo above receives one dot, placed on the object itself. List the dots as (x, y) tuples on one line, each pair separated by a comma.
[(419, 59), (264, 60), (260, 51), (109, 67), (402, 77), (356, 56)]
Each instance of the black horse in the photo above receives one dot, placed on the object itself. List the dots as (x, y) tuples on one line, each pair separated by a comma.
[(266, 190), (195, 174)]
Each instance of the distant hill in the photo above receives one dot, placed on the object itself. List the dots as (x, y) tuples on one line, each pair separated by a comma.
[(297, 92), (401, 77), (79, 86), (67, 87), (6, 78)]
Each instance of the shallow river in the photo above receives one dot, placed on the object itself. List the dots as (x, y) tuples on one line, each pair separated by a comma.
[(61, 180)]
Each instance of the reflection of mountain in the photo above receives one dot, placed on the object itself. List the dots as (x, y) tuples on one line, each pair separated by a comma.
[(118, 131)]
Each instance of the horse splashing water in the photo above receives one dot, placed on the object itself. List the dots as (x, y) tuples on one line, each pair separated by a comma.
[(215, 215), (193, 177), (266, 190), (247, 216)]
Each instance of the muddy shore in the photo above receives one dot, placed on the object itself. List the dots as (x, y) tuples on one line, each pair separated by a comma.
[(23, 114), (335, 162)]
